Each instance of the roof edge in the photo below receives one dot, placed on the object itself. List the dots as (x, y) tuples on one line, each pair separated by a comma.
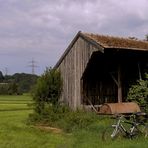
[(79, 34), (67, 50), (93, 42), (120, 48)]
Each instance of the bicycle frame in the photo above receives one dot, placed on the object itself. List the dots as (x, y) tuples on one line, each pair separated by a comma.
[(132, 128), (118, 127)]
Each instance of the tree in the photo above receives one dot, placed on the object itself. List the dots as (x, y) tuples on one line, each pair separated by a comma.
[(24, 81), (47, 90), (146, 37), (9, 89), (13, 89), (1, 76)]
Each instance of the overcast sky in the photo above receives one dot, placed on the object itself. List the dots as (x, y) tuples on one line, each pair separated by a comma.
[(42, 29)]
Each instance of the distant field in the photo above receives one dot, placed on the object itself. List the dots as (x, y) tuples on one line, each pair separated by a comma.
[(11, 103), (11, 107), (15, 102), (25, 97)]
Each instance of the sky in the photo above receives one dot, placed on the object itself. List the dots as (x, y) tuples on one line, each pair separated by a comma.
[(41, 30)]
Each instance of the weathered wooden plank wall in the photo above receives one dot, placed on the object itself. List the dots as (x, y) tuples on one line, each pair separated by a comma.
[(72, 68)]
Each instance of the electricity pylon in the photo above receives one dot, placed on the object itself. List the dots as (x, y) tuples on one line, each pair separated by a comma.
[(33, 65)]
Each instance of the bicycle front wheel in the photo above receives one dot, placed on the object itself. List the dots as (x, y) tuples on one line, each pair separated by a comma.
[(110, 134), (142, 130)]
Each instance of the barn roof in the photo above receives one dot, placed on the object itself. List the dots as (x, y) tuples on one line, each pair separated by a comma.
[(106, 42), (118, 42)]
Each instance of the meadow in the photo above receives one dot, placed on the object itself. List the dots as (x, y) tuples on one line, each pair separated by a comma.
[(16, 133)]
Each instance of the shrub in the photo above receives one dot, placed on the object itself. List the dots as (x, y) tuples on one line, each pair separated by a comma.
[(63, 117), (47, 90), (139, 93), (79, 119)]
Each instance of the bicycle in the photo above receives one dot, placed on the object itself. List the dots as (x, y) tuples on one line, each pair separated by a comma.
[(136, 127)]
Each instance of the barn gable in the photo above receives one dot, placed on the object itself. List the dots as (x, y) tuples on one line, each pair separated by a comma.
[(72, 67), (92, 67)]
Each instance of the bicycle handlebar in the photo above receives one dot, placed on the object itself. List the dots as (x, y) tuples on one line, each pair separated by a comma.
[(129, 115)]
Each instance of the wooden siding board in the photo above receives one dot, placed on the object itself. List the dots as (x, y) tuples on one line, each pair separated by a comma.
[(78, 74)]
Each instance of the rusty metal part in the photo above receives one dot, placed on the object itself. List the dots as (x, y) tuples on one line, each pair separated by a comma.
[(116, 108)]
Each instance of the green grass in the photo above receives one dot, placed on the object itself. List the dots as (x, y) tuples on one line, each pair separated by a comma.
[(7, 107), (12, 102), (25, 97), (15, 102), (16, 133)]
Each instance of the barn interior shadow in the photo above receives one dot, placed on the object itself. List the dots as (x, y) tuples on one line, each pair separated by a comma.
[(99, 83)]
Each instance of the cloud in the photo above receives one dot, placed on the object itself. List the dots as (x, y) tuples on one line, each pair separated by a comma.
[(43, 28)]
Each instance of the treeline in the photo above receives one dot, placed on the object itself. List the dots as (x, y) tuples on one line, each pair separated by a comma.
[(18, 83)]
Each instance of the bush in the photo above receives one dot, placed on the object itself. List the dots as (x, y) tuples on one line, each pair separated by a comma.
[(50, 114), (79, 119), (63, 117), (139, 93), (47, 90)]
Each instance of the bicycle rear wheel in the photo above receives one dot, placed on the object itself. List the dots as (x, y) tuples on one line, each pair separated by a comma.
[(110, 133)]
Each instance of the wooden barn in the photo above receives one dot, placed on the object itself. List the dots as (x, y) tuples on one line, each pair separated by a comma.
[(100, 69)]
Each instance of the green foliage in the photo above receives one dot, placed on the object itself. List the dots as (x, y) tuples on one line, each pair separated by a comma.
[(17, 83), (50, 114), (47, 90), (139, 93), (146, 37), (3, 88), (9, 89), (24, 81), (75, 120), (1, 76)]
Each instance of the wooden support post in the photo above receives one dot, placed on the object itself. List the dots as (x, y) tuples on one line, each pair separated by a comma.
[(82, 91), (119, 85), (139, 70)]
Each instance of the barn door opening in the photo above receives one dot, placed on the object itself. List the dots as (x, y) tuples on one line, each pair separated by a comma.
[(98, 86), (108, 76)]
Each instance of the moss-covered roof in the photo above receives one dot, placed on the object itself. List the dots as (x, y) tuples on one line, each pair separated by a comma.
[(118, 42)]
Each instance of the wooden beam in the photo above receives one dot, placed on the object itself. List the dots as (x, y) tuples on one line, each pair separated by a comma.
[(92, 105), (114, 79), (119, 84), (139, 71)]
